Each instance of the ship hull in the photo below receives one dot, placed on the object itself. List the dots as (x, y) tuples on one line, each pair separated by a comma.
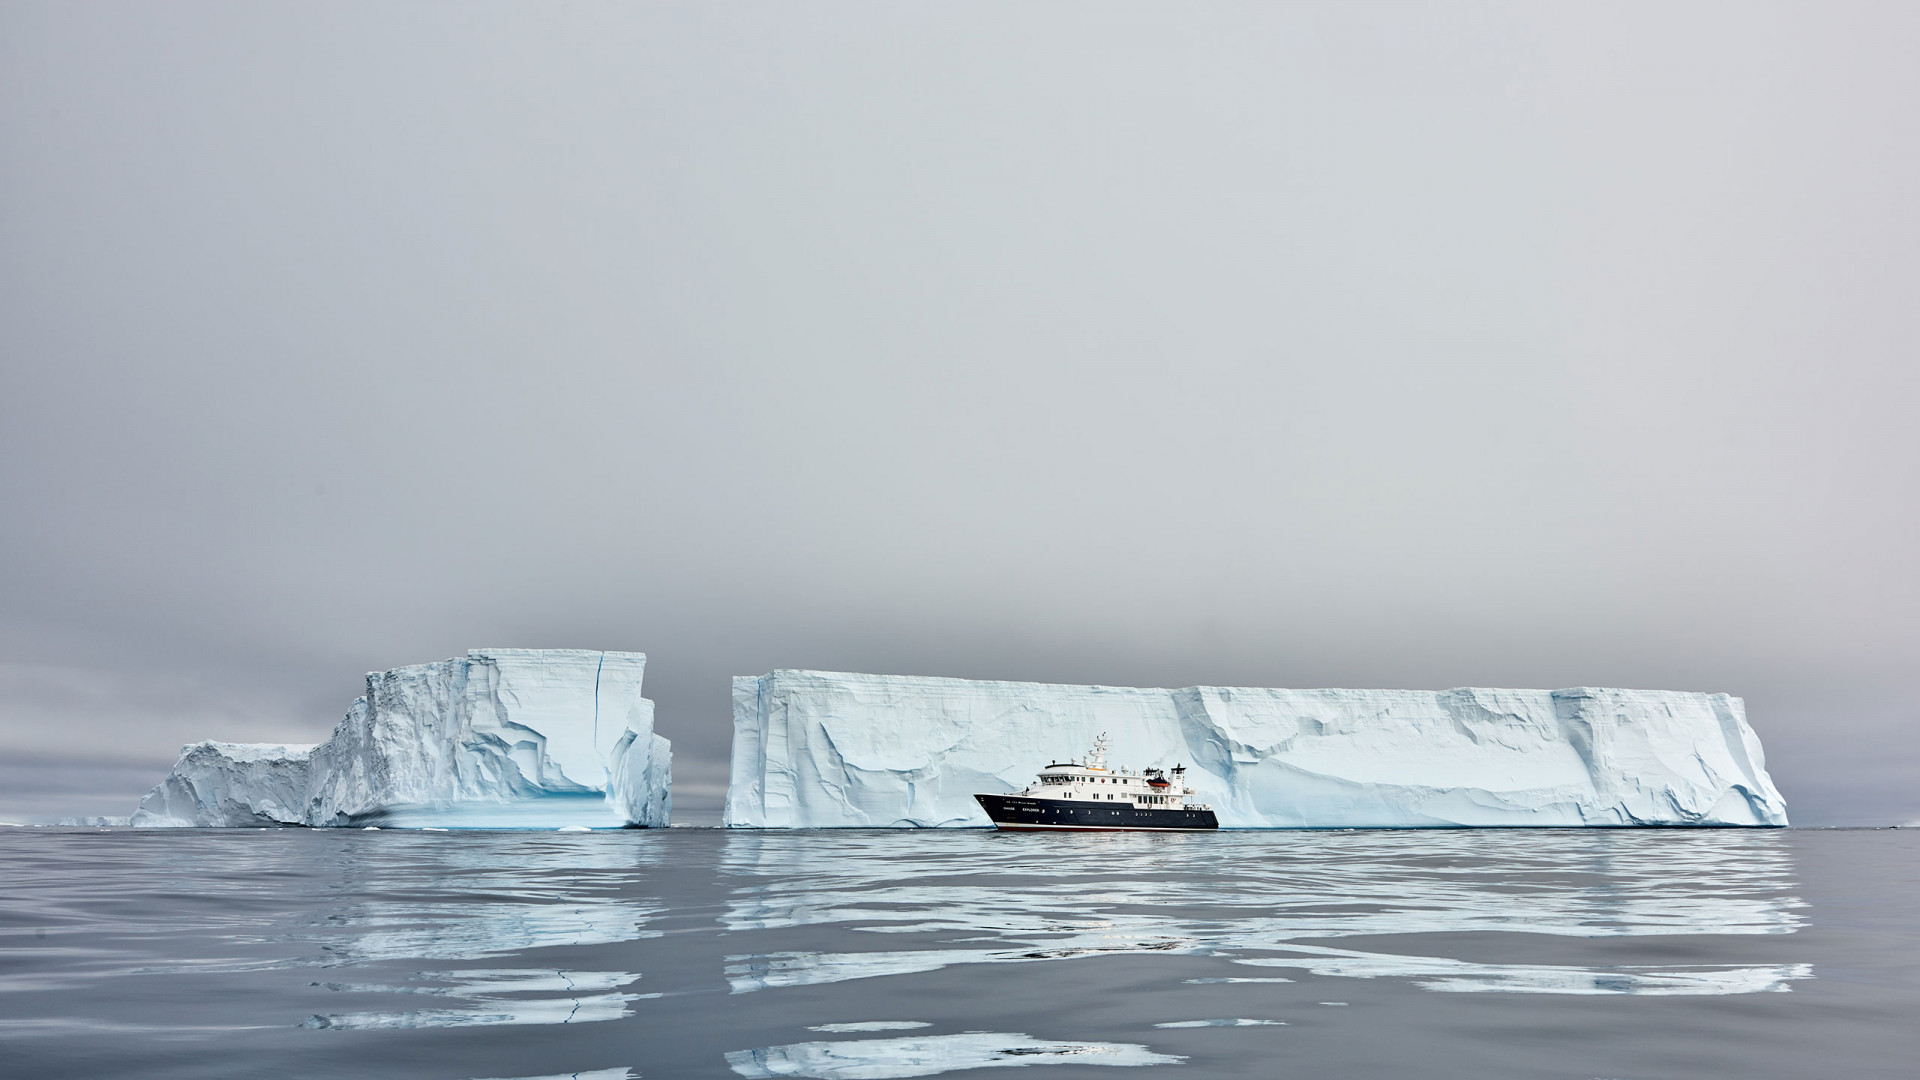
[(1017, 813)]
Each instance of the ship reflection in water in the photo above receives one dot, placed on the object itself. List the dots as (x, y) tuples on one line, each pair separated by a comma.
[(905, 953)]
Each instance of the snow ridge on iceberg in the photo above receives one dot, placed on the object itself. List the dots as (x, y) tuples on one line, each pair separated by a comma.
[(818, 749), (499, 738)]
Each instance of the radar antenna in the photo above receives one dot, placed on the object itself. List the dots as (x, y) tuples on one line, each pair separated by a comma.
[(1097, 757)]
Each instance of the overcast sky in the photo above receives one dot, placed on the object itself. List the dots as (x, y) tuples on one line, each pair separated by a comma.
[(1405, 345)]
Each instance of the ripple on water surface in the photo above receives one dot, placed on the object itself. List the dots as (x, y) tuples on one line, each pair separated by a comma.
[(874, 1059), (1250, 895), (888, 954)]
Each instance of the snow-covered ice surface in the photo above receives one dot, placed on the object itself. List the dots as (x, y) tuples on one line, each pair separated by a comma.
[(501, 738), (816, 749)]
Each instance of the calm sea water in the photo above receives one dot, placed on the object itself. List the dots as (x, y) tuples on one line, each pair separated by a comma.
[(698, 952)]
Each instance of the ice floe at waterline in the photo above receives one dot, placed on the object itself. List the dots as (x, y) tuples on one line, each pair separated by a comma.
[(500, 738), (816, 749)]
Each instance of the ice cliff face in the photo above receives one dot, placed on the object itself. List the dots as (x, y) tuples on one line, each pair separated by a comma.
[(500, 738), (232, 784), (821, 749), (640, 779)]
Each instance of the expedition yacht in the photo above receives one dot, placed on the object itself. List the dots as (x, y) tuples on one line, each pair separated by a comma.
[(1075, 796)]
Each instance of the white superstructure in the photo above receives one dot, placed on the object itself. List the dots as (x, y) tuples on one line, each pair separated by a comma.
[(1092, 781)]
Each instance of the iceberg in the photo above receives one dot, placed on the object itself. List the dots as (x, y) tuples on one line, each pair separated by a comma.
[(814, 749), (234, 785), (500, 738)]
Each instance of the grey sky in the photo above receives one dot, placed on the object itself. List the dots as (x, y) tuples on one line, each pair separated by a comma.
[(1153, 344)]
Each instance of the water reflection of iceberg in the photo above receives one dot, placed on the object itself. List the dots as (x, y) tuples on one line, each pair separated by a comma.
[(548, 896), (463, 900), (424, 931), (484, 998), (1459, 976), (926, 1055), (1238, 1021), (1020, 901), (590, 1075)]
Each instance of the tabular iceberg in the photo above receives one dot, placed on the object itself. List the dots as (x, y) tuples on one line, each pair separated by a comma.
[(501, 738), (818, 749)]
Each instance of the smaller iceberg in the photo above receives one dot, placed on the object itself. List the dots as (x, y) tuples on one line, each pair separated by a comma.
[(230, 784), (500, 738)]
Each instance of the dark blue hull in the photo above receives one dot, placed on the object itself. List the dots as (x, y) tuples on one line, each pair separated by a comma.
[(1019, 813)]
